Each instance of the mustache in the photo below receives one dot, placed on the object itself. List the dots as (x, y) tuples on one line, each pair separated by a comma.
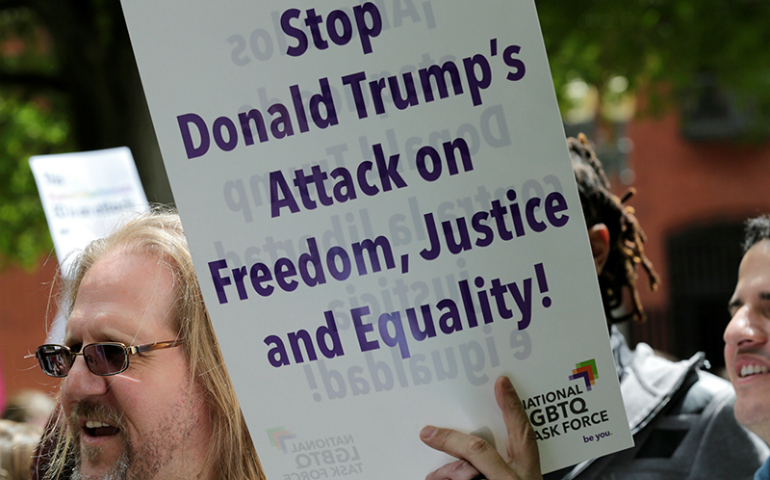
[(755, 350), (94, 411), (102, 413)]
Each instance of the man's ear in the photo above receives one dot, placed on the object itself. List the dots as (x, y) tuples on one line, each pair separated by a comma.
[(599, 237)]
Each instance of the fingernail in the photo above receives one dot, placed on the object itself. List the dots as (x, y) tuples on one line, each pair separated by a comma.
[(427, 432)]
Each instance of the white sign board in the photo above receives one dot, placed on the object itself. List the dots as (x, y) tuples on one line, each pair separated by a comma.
[(383, 217), (84, 194)]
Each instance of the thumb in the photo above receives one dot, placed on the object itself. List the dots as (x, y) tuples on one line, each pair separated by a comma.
[(521, 448)]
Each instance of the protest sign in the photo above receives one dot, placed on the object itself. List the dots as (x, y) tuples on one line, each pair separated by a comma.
[(84, 195), (383, 217)]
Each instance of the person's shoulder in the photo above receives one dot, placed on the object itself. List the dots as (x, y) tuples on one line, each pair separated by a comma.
[(710, 400)]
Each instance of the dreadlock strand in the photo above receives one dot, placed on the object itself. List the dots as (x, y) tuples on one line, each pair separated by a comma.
[(589, 155), (627, 236)]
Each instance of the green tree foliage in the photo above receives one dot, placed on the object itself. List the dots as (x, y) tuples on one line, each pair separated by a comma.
[(27, 127), (31, 123), (663, 42)]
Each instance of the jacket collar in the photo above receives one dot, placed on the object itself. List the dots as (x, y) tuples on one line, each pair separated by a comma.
[(647, 381)]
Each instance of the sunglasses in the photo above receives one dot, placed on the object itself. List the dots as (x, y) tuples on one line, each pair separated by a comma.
[(103, 359)]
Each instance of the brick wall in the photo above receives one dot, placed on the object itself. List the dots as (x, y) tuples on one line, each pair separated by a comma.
[(23, 316)]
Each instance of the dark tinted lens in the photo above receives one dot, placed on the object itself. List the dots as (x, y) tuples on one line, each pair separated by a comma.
[(55, 360), (105, 358)]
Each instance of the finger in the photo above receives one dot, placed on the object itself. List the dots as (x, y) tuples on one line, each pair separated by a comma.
[(474, 449), (522, 444), (459, 470)]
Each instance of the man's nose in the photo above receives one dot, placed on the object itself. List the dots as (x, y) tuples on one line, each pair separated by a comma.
[(746, 328), (81, 383)]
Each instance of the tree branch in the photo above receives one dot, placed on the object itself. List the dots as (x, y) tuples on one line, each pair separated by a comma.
[(31, 81)]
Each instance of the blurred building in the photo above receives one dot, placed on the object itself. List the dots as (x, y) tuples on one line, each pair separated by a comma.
[(699, 172)]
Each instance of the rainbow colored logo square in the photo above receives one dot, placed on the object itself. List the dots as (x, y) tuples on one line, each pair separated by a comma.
[(587, 371), (278, 437)]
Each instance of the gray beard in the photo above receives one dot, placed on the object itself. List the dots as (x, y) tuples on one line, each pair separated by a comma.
[(118, 472), (131, 465), (140, 460)]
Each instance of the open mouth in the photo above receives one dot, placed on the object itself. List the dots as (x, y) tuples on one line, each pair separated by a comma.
[(749, 370), (94, 428)]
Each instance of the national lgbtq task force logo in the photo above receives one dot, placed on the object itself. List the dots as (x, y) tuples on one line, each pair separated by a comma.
[(278, 437), (586, 371)]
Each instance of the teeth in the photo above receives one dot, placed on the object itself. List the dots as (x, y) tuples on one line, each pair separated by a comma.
[(95, 424), (747, 370)]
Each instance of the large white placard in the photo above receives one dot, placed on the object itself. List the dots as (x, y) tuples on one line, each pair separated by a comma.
[(383, 217)]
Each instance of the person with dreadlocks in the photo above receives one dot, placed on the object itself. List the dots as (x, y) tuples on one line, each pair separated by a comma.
[(681, 416), (617, 240)]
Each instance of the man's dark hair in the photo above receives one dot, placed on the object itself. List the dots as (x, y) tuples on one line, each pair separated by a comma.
[(757, 229), (600, 205)]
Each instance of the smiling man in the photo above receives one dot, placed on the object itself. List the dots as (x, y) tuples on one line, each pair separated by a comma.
[(747, 336), (145, 394)]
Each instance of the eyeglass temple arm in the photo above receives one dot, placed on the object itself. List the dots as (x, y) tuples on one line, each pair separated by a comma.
[(152, 346)]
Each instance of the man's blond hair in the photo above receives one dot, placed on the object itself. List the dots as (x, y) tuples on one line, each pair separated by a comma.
[(231, 454)]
